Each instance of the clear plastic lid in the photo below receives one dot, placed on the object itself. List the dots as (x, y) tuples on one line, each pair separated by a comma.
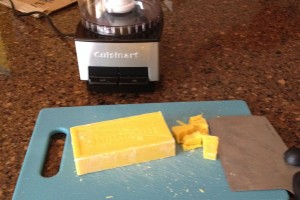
[(120, 17)]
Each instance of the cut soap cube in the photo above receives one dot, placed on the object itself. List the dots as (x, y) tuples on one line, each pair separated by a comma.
[(210, 147), (181, 131), (121, 142), (192, 141), (200, 124)]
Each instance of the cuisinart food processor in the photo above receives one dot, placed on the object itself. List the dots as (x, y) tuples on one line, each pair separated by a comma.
[(117, 43)]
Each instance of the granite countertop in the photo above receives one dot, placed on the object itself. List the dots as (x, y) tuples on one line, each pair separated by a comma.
[(210, 50)]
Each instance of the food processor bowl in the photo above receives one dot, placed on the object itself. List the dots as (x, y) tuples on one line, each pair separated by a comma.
[(120, 17)]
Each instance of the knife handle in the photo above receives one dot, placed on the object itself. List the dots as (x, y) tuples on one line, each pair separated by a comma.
[(296, 185)]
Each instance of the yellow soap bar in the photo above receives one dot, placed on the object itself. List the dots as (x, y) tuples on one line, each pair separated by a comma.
[(192, 141), (181, 131), (121, 142), (200, 124), (210, 147)]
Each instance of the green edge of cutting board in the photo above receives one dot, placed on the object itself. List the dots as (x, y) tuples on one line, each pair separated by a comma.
[(184, 176)]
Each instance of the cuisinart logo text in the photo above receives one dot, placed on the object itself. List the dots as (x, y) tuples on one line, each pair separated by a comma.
[(118, 55)]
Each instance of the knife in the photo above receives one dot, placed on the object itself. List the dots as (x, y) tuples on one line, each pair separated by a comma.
[(292, 157), (296, 185)]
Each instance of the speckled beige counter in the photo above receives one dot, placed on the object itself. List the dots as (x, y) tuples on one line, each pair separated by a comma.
[(210, 50)]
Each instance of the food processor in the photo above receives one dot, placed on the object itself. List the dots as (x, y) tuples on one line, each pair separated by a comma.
[(117, 44)]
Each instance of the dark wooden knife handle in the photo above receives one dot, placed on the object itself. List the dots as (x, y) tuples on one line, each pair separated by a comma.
[(296, 185)]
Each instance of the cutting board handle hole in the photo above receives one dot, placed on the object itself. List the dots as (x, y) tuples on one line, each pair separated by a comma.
[(54, 154)]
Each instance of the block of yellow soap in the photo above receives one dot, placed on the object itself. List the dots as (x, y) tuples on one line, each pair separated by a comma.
[(181, 131), (192, 141), (210, 147), (121, 142), (200, 124)]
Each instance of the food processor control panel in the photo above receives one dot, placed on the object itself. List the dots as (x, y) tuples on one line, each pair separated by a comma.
[(118, 75)]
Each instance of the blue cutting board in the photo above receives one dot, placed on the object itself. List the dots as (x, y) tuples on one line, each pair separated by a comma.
[(184, 176)]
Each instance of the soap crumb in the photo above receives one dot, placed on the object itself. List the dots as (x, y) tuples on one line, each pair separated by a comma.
[(201, 190), (146, 167), (191, 173), (170, 189), (232, 174)]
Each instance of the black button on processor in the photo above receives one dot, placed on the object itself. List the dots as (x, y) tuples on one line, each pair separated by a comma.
[(103, 80), (133, 75), (103, 75), (133, 80)]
